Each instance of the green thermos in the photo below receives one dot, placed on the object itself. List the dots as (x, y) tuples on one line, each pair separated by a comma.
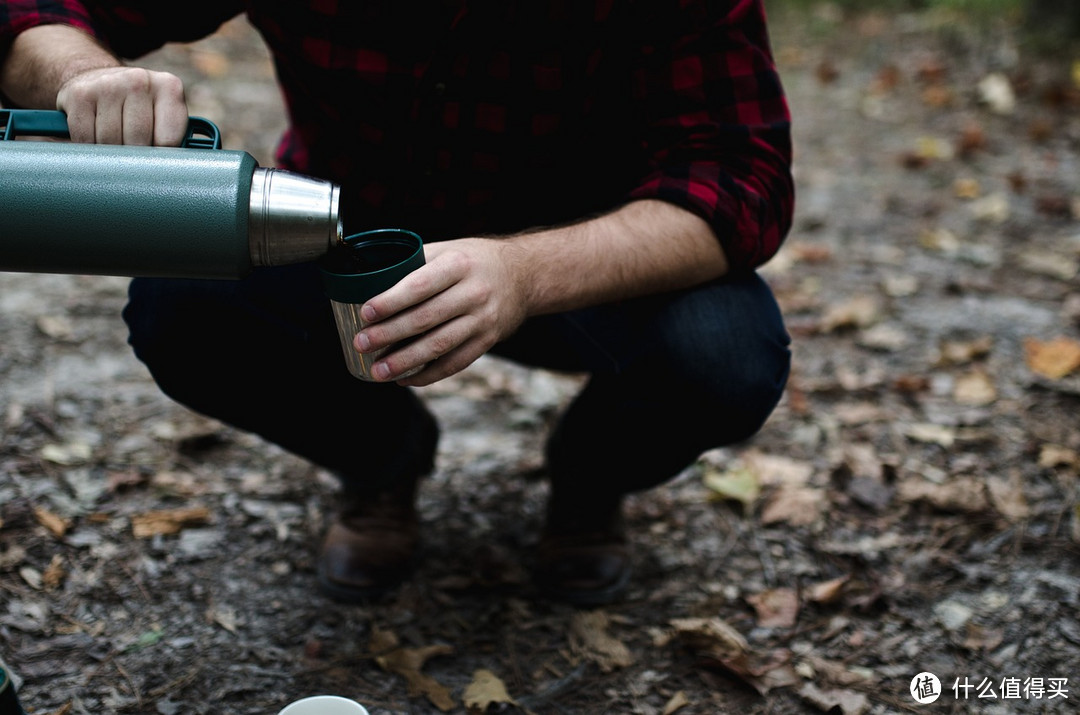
[(194, 211)]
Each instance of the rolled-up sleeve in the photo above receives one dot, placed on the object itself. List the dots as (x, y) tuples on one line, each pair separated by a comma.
[(130, 28), (718, 127)]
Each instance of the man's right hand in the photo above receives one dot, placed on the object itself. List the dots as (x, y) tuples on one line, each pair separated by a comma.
[(61, 67), (124, 105)]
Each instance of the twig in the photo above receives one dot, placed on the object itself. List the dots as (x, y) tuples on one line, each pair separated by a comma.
[(134, 688)]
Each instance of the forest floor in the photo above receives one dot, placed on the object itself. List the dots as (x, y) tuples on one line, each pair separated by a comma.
[(911, 507)]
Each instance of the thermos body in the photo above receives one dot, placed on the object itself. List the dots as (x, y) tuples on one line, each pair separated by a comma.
[(88, 208), (156, 211)]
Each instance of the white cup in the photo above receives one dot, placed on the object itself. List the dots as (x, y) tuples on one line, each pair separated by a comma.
[(324, 705)]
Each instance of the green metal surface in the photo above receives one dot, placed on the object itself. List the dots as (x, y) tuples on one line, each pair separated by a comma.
[(124, 210)]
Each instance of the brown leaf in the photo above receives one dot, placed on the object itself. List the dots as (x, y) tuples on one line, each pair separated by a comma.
[(1054, 455), (485, 690), (827, 592), (54, 574), (972, 139), (167, 521), (848, 702), (860, 311), (797, 506), (837, 673), (590, 639), (1053, 359), (974, 388), (57, 525), (382, 641), (713, 635), (1007, 497), (980, 638), (719, 643), (407, 662), (961, 352), (1051, 263), (777, 470), (929, 433), (959, 494), (677, 702), (776, 608)]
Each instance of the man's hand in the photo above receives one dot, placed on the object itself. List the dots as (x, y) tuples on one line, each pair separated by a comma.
[(106, 102), (124, 105), (474, 292), (468, 296)]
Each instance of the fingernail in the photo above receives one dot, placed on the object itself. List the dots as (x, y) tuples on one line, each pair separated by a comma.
[(381, 371), (368, 313), (363, 342)]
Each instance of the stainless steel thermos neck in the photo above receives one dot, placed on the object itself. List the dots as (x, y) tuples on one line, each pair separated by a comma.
[(194, 211)]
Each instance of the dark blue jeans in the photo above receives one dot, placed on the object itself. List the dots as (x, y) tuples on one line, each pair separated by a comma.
[(670, 376)]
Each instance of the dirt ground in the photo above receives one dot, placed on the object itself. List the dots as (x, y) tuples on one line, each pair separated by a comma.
[(911, 507)]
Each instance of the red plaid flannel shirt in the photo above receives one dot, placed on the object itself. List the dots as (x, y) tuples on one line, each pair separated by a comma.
[(492, 116)]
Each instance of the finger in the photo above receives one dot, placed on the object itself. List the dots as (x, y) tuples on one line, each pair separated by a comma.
[(420, 285), (442, 345), (109, 123), (446, 366), (170, 109), (137, 120), (81, 111)]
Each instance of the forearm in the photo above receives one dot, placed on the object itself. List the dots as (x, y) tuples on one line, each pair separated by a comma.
[(43, 58), (642, 248)]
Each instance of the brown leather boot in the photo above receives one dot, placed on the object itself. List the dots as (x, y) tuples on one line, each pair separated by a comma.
[(583, 557), (369, 547)]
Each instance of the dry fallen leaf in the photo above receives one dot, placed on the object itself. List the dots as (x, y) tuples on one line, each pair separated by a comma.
[(56, 525), (861, 311), (485, 690), (54, 574), (1054, 455), (167, 521), (777, 470), (719, 643), (996, 92), (961, 352), (382, 641), (931, 434), (797, 506), (57, 327), (1049, 263), (1007, 497), (407, 662), (736, 483), (590, 639), (848, 702), (1053, 359), (827, 592), (68, 454), (677, 702), (959, 494), (776, 607), (974, 388)]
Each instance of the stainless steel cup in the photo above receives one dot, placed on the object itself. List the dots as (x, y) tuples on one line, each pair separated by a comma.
[(363, 266)]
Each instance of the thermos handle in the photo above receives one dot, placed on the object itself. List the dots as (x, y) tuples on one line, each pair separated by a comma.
[(201, 133)]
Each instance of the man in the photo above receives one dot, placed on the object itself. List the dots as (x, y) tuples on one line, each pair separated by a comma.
[(595, 183)]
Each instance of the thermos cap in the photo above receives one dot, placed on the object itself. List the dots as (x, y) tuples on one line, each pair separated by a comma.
[(368, 263)]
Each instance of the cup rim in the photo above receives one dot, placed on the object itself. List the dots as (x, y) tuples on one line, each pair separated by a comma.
[(401, 236), (316, 699)]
